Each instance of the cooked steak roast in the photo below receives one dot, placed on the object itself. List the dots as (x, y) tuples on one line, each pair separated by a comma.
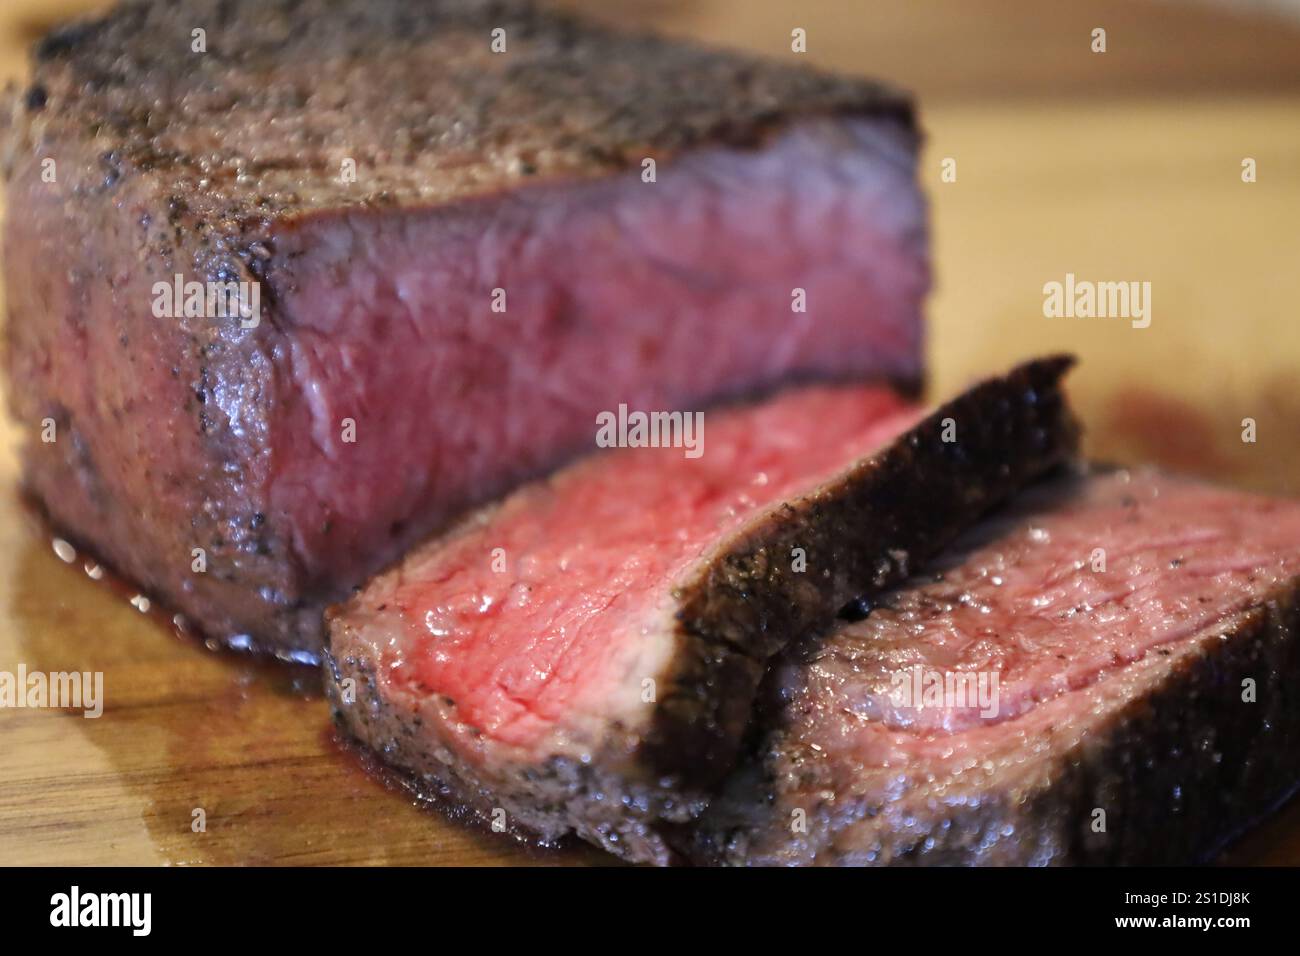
[(295, 284), (583, 656), (431, 242), (1143, 633)]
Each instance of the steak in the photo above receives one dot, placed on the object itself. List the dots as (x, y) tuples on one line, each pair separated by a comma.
[(1143, 632), (583, 656), (423, 269)]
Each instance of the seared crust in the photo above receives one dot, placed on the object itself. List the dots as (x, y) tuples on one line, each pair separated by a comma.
[(412, 92), (862, 531), (598, 800)]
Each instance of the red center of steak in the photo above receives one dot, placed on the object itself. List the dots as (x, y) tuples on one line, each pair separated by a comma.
[(590, 558)]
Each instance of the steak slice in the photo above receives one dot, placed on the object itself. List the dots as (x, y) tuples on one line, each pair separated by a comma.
[(458, 258), (583, 656), (1143, 630)]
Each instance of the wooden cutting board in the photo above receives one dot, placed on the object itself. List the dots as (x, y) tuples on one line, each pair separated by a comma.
[(1116, 166)]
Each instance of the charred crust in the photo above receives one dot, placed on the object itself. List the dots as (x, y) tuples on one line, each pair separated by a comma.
[(903, 505), (598, 100), (543, 801), (67, 40)]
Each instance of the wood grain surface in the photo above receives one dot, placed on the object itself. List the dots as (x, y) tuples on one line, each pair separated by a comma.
[(1116, 166)]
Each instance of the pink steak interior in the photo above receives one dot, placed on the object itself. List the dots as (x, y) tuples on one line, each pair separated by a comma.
[(663, 295), (590, 558)]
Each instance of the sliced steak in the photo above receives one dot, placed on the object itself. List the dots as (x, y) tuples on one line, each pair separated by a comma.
[(461, 257), (1143, 633), (583, 656)]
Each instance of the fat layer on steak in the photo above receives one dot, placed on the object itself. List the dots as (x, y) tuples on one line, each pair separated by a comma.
[(1142, 630), (584, 654), (461, 257)]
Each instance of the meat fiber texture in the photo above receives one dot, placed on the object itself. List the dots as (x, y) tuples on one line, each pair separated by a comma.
[(438, 264), (583, 656), (1143, 632)]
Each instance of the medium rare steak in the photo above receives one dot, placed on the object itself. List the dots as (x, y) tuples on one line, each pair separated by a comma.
[(1143, 632), (459, 257), (583, 656)]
